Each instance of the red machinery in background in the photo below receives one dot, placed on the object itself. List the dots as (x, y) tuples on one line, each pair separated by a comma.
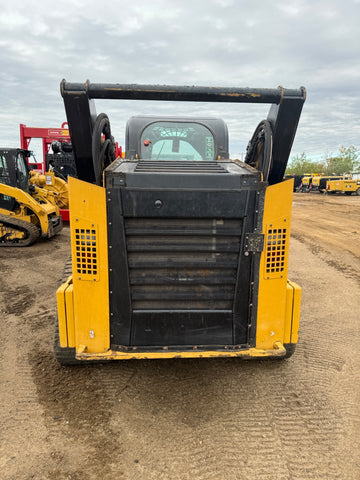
[(48, 136)]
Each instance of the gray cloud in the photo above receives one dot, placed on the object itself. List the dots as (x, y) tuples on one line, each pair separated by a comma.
[(213, 42)]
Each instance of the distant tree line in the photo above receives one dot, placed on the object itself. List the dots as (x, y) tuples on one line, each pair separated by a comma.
[(344, 162)]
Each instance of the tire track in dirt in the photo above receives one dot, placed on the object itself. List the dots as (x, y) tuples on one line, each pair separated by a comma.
[(253, 420), (327, 256), (215, 418), (329, 342), (18, 300), (213, 428), (22, 417), (26, 450), (64, 410), (183, 419), (76, 399)]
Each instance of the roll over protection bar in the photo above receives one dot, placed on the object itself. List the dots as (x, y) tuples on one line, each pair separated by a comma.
[(181, 93), (284, 113)]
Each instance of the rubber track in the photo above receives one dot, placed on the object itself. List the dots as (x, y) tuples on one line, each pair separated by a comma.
[(65, 356), (32, 231), (67, 270)]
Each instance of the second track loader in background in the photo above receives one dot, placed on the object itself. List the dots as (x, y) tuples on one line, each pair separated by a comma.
[(27, 212)]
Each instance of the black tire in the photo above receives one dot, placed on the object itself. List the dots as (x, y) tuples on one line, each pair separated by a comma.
[(259, 149), (56, 146), (348, 193), (103, 151), (358, 192), (66, 147)]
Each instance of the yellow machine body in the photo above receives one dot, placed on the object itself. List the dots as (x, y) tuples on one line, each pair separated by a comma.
[(178, 251), (56, 187), (35, 208), (83, 300)]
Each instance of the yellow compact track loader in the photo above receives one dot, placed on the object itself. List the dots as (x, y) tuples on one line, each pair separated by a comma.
[(27, 212), (178, 251)]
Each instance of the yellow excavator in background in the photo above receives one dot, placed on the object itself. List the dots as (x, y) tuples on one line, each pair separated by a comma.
[(27, 212)]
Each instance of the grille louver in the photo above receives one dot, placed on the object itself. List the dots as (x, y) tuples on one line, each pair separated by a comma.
[(86, 258), (179, 166), (180, 264), (276, 249)]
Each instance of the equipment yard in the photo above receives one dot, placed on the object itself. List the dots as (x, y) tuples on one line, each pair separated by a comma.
[(189, 418)]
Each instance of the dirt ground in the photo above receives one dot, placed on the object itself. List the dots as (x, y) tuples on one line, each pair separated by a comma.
[(189, 419)]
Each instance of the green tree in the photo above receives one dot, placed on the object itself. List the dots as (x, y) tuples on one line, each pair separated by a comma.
[(300, 164), (346, 161)]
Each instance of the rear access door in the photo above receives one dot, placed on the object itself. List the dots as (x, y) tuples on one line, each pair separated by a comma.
[(184, 252)]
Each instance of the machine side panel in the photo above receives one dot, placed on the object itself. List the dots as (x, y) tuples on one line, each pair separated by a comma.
[(88, 225), (274, 265)]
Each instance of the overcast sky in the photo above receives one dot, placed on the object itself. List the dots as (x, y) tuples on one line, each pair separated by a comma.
[(265, 44)]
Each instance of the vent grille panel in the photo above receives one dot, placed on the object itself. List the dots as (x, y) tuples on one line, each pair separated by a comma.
[(86, 253), (276, 251), (182, 263), (179, 166)]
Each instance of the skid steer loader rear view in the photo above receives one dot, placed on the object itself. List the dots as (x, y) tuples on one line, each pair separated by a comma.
[(178, 251)]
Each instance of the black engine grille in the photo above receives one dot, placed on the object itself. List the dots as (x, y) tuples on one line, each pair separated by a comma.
[(179, 166), (182, 263)]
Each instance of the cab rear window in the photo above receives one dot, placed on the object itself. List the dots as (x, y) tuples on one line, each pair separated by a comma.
[(177, 141)]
